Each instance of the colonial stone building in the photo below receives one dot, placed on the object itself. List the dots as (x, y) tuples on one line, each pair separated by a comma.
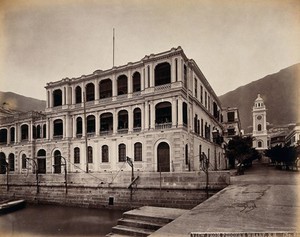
[(160, 112)]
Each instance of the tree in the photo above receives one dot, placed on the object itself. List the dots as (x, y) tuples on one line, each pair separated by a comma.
[(240, 149), (282, 155)]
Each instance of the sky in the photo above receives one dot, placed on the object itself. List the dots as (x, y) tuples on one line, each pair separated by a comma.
[(233, 42)]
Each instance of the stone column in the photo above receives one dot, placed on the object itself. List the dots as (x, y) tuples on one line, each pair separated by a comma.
[(114, 86), (96, 90), (8, 136), (152, 115), (30, 137), (174, 112), (97, 124), (180, 112), (173, 70), (130, 119), (115, 121), (146, 116), (74, 126)]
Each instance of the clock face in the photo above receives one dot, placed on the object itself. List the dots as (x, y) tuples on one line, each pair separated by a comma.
[(259, 117)]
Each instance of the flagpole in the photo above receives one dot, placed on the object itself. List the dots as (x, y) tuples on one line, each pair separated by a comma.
[(113, 47)]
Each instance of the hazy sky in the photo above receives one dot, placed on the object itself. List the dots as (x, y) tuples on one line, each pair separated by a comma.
[(233, 42)]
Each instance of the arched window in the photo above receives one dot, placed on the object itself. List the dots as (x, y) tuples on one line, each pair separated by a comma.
[(3, 136), (79, 127), (38, 131), (3, 163), (123, 120), (57, 162), (78, 94), (90, 120), (122, 152), (41, 161), (184, 114), (24, 132), (58, 128), (12, 134), (76, 155), (34, 135), (136, 82), (162, 74), (11, 162), (137, 118), (105, 88), (90, 154), (106, 123), (44, 131), (57, 97), (259, 127), (90, 92), (186, 154), (105, 155), (24, 162), (163, 113), (259, 144), (138, 151), (122, 85)]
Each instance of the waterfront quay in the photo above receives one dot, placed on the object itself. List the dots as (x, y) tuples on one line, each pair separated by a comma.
[(264, 200)]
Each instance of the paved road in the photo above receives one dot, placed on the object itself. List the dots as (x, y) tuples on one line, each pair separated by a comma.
[(264, 200)]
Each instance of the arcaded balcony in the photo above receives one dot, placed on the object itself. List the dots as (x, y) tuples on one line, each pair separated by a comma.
[(163, 115), (106, 124)]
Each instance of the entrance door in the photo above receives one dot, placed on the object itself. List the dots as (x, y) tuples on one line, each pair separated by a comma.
[(57, 162), (41, 162), (163, 157)]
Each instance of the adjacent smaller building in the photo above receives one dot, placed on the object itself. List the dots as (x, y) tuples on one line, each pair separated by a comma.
[(231, 123)]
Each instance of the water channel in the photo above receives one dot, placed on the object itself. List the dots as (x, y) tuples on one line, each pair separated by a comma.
[(50, 220)]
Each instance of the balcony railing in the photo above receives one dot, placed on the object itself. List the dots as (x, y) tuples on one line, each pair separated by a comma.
[(137, 129), (105, 100), (57, 137), (164, 87), (135, 94), (123, 130), (122, 97), (90, 134), (105, 133), (163, 125)]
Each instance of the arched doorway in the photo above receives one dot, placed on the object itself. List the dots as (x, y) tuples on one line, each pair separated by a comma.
[(163, 157), (57, 162), (41, 161), (3, 163)]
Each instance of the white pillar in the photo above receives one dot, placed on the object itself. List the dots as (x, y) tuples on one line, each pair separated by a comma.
[(115, 121), (146, 115), (173, 70), (152, 115), (130, 119), (174, 111), (180, 112)]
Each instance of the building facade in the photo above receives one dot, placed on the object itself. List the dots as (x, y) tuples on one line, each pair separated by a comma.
[(260, 132), (160, 112), (231, 123)]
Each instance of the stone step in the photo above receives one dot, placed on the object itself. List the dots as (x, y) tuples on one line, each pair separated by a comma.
[(131, 231), (140, 224), (160, 215), (145, 220)]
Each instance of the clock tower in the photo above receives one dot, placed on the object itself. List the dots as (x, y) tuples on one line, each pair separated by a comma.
[(260, 133)]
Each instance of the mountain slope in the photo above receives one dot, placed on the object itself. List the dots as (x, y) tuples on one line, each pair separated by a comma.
[(280, 92), (18, 102)]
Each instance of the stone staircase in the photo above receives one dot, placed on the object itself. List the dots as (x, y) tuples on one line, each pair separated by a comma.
[(144, 221)]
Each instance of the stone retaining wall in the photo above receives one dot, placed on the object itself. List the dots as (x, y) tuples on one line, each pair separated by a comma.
[(181, 190)]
